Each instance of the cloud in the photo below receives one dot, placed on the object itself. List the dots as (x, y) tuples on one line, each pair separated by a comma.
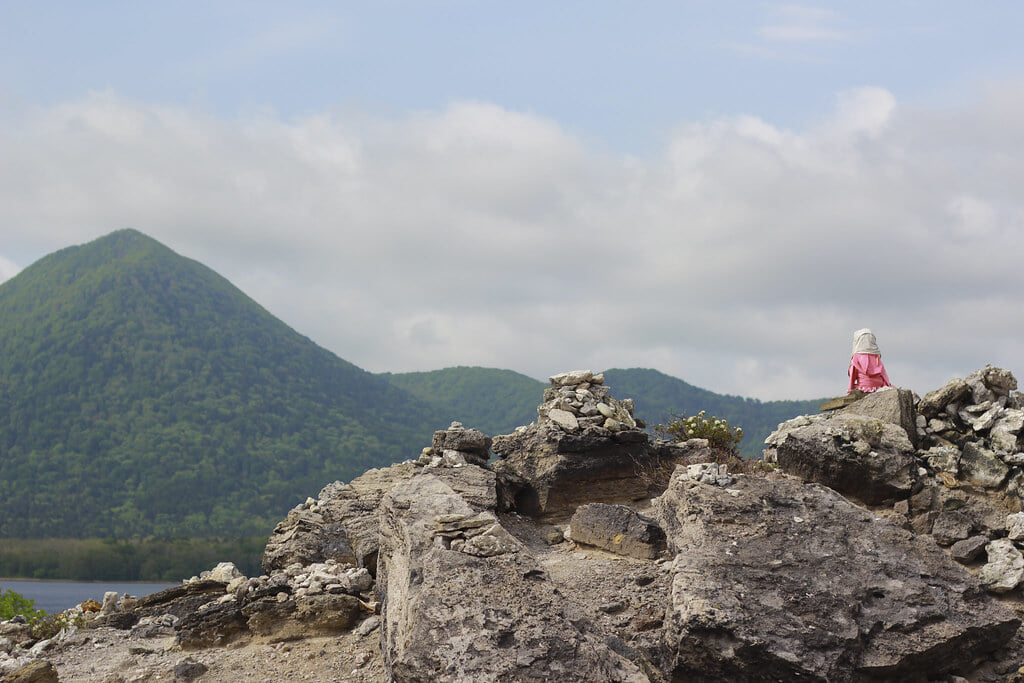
[(8, 269), (802, 24), (740, 257)]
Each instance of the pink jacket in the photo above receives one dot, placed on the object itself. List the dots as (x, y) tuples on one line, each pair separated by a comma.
[(867, 373)]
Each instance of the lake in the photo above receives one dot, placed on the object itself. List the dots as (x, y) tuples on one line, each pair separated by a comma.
[(56, 596)]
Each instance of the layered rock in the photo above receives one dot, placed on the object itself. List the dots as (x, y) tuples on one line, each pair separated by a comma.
[(958, 486), (775, 580), (469, 573), (585, 447), (866, 458), (452, 614), (341, 524)]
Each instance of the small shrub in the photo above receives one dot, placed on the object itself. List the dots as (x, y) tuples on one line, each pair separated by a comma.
[(12, 604), (48, 625), (721, 435), (723, 439)]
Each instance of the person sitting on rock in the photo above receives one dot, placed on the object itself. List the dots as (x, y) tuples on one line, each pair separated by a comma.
[(866, 372)]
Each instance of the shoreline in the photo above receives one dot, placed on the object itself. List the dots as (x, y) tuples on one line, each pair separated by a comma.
[(138, 581)]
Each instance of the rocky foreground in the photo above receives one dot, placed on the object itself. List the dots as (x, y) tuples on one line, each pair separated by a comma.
[(877, 541)]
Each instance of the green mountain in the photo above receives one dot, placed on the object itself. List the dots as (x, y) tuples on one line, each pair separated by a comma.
[(658, 397), (493, 401), (143, 394)]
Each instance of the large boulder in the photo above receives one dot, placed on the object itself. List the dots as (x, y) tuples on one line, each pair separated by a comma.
[(617, 529), (778, 580), (451, 613), (895, 406), (563, 471), (864, 458)]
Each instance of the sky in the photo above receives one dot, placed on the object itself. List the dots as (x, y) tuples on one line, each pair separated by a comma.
[(723, 191)]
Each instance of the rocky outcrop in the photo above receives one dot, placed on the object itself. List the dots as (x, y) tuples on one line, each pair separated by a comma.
[(585, 447), (452, 613), (895, 406), (854, 555), (865, 458), (776, 580), (341, 523)]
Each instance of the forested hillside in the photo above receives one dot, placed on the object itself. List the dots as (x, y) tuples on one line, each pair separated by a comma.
[(493, 401), (143, 394)]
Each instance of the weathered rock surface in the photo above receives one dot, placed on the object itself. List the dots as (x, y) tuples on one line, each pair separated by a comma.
[(453, 616), (895, 406), (341, 524), (775, 580), (618, 529), (761, 578), (563, 471), (865, 458)]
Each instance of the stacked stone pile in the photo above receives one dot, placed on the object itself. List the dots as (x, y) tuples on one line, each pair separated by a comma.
[(578, 401), (455, 447), (982, 417)]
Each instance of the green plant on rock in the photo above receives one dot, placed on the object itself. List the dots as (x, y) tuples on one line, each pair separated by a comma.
[(721, 435), (48, 625), (12, 604), (723, 439)]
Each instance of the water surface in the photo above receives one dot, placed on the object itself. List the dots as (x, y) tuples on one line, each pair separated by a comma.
[(55, 596)]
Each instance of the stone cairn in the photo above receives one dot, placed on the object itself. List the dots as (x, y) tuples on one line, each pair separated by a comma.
[(971, 434), (578, 401), (972, 430), (455, 447)]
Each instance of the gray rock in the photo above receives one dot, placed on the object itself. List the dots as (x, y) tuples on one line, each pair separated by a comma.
[(969, 549), (865, 458), (943, 459), (564, 419), (472, 443), (558, 471), (895, 406), (951, 526), (1001, 382), (775, 580), (1015, 486), (368, 626), (345, 526), (935, 402), (573, 377), (1004, 570), (1015, 526), (1004, 433), (982, 467), (979, 392), (617, 529), (449, 616)]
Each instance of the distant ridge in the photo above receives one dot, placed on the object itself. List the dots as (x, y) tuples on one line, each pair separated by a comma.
[(493, 401), (659, 396), (141, 393), (498, 401)]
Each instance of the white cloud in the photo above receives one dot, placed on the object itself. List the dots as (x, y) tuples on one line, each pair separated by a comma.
[(801, 24), (8, 269), (740, 259)]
